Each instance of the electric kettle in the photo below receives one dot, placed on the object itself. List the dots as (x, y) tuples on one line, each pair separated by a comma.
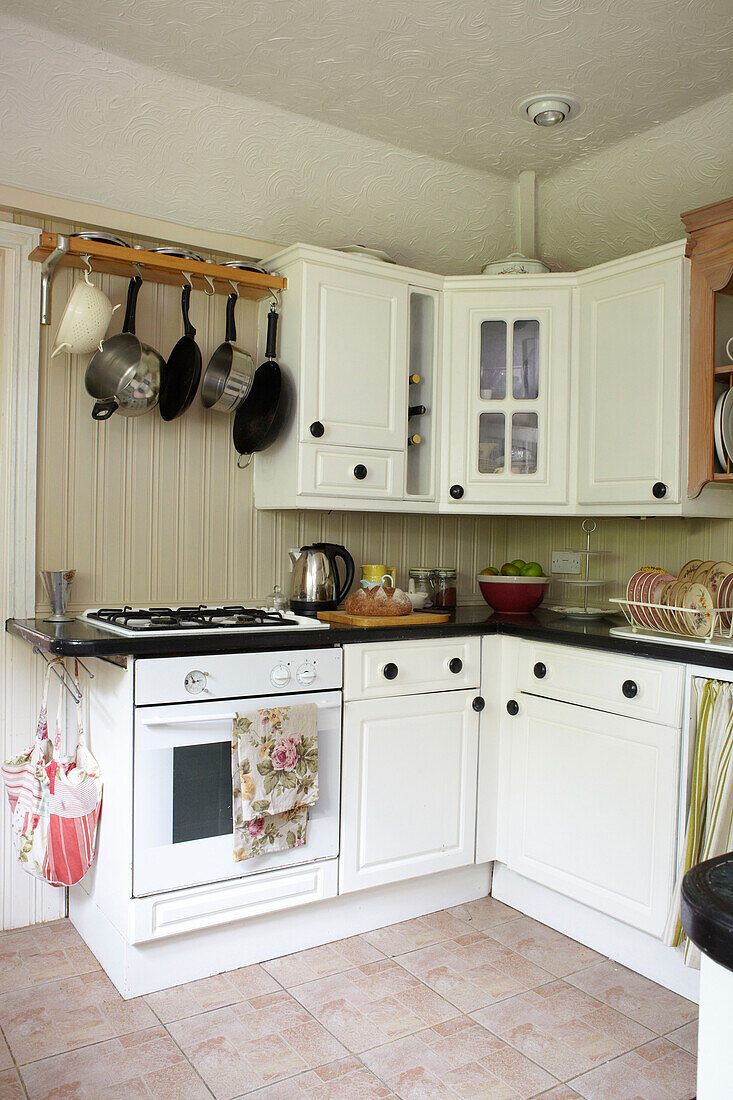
[(315, 585)]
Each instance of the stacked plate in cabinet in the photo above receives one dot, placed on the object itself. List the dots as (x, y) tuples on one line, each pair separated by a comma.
[(723, 430)]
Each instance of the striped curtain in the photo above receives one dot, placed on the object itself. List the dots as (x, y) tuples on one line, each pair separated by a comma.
[(710, 816)]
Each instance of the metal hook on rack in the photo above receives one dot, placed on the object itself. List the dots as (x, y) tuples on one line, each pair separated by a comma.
[(234, 286), (210, 281), (138, 272), (275, 294), (54, 666), (88, 671), (187, 277)]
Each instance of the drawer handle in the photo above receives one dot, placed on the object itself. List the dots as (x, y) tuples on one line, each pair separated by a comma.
[(360, 471), (659, 490), (456, 491), (512, 707), (630, 688), (316, 429), (540, 670), (455, 664), (390, 671), (478, 704)]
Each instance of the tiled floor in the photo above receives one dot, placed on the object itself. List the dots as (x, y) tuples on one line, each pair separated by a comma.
[(473, 1003)]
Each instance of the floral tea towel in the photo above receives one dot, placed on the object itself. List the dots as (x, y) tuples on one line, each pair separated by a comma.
[(274, 778)]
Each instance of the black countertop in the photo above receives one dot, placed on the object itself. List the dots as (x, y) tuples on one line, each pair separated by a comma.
[(80, 639), (707, 908)]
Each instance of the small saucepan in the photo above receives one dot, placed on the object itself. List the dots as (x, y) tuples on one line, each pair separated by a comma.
[(230, 371), (259, 419)]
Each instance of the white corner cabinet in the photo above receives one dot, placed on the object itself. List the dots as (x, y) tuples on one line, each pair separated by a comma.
[(410, 748), (557, 394), (589, 777)]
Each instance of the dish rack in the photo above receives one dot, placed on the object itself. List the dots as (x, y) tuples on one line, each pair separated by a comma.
[(694, 624)]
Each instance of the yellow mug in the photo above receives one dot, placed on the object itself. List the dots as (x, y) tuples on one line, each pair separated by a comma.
[(377, 574)]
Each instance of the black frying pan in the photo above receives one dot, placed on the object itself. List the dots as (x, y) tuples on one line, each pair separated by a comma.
[(260, 417), (182, 373)]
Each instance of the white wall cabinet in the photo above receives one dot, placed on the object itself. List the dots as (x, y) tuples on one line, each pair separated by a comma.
[(408, 787), (630, 376), (506, 397)]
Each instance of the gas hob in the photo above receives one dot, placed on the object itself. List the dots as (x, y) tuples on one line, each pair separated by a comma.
[(198, 619)]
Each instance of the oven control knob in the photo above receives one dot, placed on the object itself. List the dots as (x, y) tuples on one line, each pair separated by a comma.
[(280, 675), (306, 674), (195, 682)]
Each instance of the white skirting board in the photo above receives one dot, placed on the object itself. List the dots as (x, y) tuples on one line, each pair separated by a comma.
[(628, 946), (158, 965)]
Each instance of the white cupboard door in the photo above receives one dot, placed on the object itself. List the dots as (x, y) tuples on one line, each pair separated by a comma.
[(630, 385), (593, 807), (355, 359), (408, 788), (509, 396)]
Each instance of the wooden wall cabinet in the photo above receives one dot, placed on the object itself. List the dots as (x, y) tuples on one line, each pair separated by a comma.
[(711, 305)]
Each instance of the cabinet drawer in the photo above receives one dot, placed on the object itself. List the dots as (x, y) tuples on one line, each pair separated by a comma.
[(645, 689), (335, 470), (422, 666)]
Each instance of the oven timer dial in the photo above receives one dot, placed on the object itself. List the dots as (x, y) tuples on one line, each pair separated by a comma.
[(195, 682), (306, 674), (280, 675)]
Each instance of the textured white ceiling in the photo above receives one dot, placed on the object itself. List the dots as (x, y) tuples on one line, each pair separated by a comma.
[(436, 77)]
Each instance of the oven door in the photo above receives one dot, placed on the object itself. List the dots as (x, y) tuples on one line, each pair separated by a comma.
[(182, 793)]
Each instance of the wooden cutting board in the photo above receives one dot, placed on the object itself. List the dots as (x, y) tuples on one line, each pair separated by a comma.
[(415, 618)]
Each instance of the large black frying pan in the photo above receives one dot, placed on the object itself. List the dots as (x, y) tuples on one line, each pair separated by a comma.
[(260, 417), (182, 373)]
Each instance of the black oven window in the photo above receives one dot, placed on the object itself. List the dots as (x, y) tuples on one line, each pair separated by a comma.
[(202, 791)]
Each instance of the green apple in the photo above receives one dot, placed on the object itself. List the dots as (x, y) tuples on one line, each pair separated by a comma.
[(519, 562), (533, 569), (489, 571), (509, 569)]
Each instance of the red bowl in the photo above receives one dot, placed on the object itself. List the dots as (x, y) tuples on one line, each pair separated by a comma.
[(513, 595)]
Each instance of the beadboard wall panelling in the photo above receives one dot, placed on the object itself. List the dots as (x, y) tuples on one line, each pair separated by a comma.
[(87, 125), (630, 197)]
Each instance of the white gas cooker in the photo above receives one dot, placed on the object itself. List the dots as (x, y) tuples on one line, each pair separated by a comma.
[(196, 619)]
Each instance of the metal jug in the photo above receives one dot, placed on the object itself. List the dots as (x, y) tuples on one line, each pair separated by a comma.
[(315, 584)]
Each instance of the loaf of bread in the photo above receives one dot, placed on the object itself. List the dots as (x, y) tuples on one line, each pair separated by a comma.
[(378, 601)]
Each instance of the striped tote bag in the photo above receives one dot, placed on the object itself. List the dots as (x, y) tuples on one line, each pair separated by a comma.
[(54, 801)]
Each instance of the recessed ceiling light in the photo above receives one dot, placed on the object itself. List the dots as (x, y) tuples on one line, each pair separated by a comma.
[(548, 108)]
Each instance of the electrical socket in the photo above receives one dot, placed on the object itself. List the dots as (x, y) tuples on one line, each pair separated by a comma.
[(565, 561)]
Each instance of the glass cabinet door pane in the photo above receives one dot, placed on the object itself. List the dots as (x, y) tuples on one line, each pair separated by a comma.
[(493, 360), (526, 347), (491, 443), (524, 443)]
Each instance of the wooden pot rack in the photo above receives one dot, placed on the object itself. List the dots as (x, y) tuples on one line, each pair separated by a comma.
[(113, 259)]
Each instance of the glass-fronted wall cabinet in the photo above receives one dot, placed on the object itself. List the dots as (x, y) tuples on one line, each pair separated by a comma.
[(506, 396)]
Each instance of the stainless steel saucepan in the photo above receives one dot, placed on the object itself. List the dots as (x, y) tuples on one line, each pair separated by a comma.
[(124, 375), (230, 371)]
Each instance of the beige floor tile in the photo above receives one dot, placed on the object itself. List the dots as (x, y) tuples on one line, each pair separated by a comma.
[(254, 1043), (68, 1014), (319, 962), (347, 1079), (656, 1071), (456, 1059), (544, 946), (473, 970), (650, 1004), (562, 1029), (6, 1059), (144, 1064), (685, 1037), (42, 953), (560, 1092), (373, 1004), (215, 992), (10, 1086), (484, 913), (395, 939)]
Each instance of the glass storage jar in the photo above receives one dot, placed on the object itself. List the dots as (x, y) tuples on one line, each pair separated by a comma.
[(419, 580), (445, 583)]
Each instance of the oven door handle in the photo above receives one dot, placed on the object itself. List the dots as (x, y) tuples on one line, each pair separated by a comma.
[(194, 720)]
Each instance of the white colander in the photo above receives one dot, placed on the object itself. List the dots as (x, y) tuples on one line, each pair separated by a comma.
[(85, 320)]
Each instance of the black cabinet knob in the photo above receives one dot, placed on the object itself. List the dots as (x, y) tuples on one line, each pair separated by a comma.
[(512, 707), (456, 491), (630, 688), (478, 703), (317, 429), (659, 490), (390, 670), (360, 471), (540, 670), (455, 664)]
